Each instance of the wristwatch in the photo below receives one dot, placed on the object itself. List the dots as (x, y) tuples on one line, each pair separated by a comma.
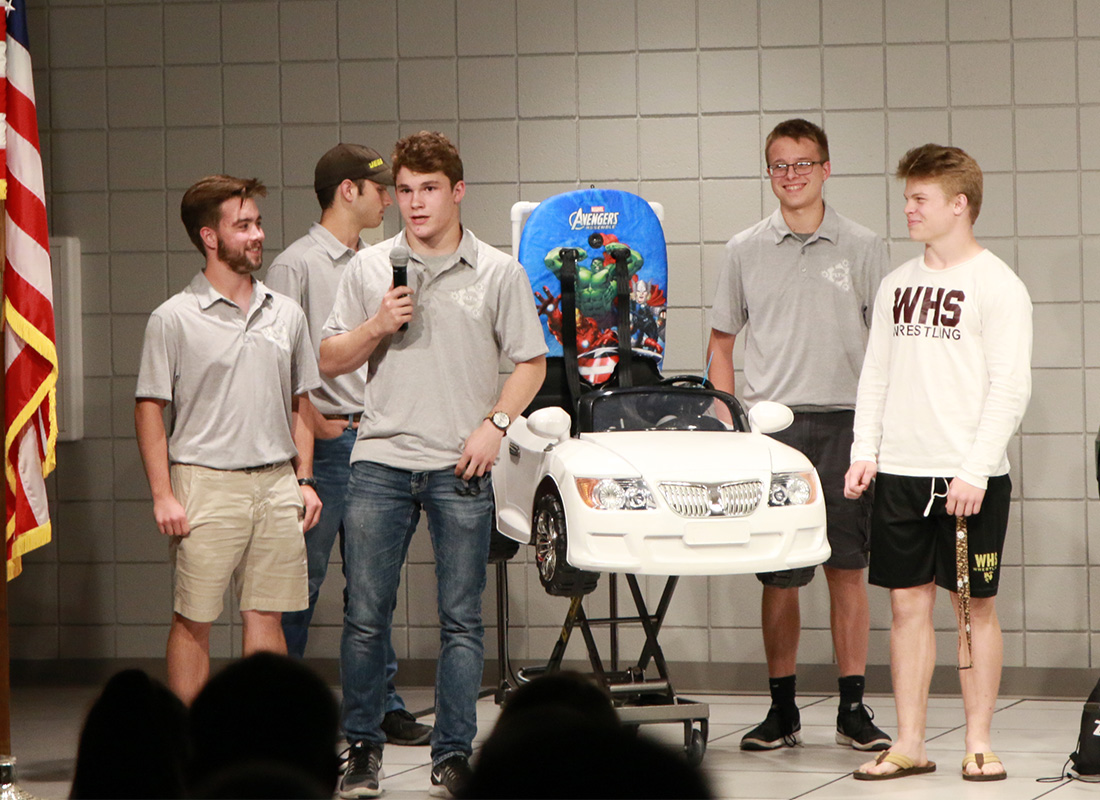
[(500, 419), (310, 482)]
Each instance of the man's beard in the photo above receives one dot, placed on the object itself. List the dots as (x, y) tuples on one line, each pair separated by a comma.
[(239, 260)]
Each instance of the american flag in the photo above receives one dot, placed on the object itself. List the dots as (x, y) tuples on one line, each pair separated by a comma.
[(30, 355)]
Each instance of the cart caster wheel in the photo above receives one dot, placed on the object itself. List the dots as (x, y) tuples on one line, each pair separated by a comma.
[(696, 749), (503, 693), (501, 548)]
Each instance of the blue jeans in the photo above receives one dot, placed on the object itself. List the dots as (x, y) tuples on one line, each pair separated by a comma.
[(331, 469), (382, 510)]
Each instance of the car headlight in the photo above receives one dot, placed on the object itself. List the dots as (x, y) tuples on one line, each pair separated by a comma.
[(792, 489), (615, 494)]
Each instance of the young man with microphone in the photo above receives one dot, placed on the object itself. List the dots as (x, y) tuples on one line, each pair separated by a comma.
[(432, 425), (350, 181)]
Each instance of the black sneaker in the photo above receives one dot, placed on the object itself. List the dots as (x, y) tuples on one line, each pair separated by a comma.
[(450, 777), (401, 727), (363, 771), (779, 729), (855, 729)]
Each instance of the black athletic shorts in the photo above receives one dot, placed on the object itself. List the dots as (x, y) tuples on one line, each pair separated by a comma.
[(826, 439), (911, 549)]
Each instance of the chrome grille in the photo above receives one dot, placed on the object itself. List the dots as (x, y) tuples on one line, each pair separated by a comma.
[(710, 500), (740, 499), (687, 499)]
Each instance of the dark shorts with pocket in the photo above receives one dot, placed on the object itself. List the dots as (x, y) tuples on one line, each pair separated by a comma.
[(826, 439), (910, 549)]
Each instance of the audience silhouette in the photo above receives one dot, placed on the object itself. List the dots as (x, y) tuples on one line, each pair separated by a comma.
[(259, 712), (559, 736), (267, 726), (133, 743)]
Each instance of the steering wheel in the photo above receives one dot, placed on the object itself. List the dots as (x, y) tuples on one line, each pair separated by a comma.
[(697, 422), (686, 380)]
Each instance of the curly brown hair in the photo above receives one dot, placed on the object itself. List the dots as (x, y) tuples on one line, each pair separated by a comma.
[(428, 151)]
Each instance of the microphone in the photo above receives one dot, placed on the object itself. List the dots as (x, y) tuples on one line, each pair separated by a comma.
[(399, 260)]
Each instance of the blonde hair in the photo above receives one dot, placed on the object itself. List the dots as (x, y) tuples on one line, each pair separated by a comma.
[(951, 167)]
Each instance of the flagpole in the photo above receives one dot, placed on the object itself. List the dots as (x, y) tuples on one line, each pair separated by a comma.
[(5, 638), (28, 318)]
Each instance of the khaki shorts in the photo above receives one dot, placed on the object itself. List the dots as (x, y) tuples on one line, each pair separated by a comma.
[(246, 528)]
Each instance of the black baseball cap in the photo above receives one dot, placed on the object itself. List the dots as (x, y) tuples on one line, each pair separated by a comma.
[(350, 162)]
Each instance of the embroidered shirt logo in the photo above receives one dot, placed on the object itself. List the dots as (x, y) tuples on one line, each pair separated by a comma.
[(840, 275), (471, 298), (277, 333)]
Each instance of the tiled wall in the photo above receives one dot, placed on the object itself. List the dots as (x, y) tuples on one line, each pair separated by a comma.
[(667, 98)]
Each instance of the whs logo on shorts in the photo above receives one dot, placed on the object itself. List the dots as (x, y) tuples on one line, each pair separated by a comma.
[(984, 565)]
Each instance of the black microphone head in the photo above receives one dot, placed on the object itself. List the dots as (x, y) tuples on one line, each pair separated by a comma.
[(399, 257)]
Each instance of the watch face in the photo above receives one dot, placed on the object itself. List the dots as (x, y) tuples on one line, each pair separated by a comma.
[(501, 420)]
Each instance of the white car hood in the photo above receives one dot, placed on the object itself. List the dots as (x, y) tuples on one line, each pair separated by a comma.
[(707, 456)]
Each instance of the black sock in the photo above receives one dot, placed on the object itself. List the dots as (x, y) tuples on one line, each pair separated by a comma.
[(782, 690), (851, 692)]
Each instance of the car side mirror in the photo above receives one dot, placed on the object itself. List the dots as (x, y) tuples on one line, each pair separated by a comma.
[(770, 417), (551, 423)]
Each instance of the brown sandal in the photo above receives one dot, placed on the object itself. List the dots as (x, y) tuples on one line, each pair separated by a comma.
[(981, 759), (904, 764)]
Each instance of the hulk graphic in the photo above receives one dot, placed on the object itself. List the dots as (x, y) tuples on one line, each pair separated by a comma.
[(596, 284)]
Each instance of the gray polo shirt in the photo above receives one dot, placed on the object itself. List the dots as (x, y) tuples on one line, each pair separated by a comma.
[(429, 387), (308, 272), (229, 376), (807, 308)]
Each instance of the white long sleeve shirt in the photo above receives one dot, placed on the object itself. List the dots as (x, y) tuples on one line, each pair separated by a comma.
[(947, 374)]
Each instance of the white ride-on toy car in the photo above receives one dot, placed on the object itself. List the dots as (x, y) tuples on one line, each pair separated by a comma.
[(613, 469), (658, 480)]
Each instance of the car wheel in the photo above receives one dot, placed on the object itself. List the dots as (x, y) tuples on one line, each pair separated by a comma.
[(558, 577)]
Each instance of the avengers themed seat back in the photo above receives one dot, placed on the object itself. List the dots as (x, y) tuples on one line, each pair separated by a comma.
[(598, 267)]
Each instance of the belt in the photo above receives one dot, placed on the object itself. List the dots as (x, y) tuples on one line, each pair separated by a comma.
[(260, 468), (352, 419)]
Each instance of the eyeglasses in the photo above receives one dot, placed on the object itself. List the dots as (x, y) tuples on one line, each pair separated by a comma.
[(799, 167)]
